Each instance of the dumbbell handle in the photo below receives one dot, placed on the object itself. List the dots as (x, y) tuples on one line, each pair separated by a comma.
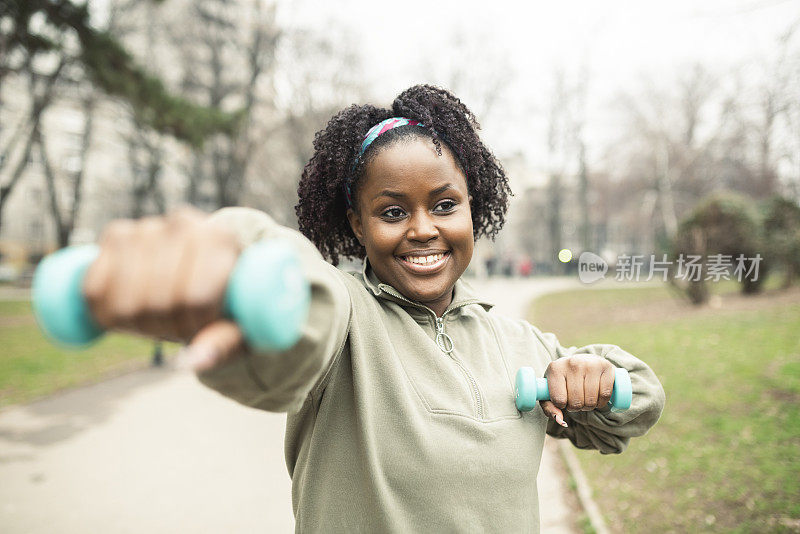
[(531, 389), (267, 296)]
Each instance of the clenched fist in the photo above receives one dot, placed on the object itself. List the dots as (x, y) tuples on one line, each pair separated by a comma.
[(165, 277), (581, 382)]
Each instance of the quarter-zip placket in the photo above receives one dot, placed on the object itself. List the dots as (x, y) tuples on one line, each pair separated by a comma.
[(441, 336), (446, 344), (444, 341)]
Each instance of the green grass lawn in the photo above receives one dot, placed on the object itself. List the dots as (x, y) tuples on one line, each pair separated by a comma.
[(32, 367), (725, 456)]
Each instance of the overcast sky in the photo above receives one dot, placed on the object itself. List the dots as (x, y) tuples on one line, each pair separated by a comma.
[(411, 41), (522, 43)]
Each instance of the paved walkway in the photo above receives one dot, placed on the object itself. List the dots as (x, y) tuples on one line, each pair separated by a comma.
[(136, 454)]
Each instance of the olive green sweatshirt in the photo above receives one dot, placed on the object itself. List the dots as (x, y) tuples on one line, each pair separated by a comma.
[(388, 432)]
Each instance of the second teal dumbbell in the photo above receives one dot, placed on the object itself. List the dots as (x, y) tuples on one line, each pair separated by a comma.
[(267, 296), (531, 389)]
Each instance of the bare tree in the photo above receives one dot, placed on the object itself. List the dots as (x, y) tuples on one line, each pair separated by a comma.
[(318, 74), (145, 160), (579, 122), (16, 152), (669, 145), (478, 74), (145, 146), (226, 67), (564, 139), (779, 125), (65, 216)]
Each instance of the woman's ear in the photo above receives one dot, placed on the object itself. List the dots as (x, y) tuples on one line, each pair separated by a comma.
[(355, 224)]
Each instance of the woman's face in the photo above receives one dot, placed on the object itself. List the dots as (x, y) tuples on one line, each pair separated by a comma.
[(413, 217)]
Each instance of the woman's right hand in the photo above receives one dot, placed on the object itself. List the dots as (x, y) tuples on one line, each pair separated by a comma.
[(165, 277)]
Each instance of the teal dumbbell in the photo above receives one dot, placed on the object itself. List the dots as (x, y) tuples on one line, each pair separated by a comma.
[(530, 390), (267, 296)]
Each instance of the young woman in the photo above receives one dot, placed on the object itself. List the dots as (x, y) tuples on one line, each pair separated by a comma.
[(400, 392)]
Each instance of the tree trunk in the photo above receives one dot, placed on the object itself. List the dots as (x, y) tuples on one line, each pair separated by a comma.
[(766, 171), (40, 103), (145, 159), (195, 179), (665, 197), (554, 220), (5, 190), (65, 224), (62, 232), (583, 190)]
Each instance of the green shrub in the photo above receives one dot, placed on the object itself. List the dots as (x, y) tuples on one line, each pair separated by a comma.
[(782, 236), (723, 223)]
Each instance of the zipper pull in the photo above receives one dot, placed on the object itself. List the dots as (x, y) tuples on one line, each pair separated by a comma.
[(443, 340)]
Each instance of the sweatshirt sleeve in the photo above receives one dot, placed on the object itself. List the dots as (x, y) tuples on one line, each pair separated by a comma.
[(281, 381), (601, 429)]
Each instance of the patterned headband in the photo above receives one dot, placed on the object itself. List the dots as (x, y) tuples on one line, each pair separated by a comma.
[(373, 133)]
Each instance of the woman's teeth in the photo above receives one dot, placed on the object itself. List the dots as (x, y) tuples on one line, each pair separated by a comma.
[(424, 260)]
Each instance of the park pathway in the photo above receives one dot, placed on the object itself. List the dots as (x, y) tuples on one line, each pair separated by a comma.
[(154, 451)]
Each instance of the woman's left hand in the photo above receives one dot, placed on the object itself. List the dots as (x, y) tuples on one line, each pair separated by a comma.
[(582, 382)]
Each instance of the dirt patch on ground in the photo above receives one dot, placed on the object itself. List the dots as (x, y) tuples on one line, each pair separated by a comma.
[(784, 395)]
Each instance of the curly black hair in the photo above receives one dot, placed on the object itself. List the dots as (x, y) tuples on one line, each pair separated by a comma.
[(322, 206)]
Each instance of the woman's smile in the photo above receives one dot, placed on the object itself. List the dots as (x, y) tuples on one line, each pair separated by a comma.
[(425, 264), (413, 217)]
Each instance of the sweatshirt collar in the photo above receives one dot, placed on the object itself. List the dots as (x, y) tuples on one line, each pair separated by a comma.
[(463, 293)]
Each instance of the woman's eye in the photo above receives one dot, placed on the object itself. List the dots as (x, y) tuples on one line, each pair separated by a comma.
[(393, 213), (445, 205)]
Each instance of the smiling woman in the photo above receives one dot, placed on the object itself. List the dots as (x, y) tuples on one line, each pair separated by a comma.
[(413, 218), (399, 393), (344, 151)]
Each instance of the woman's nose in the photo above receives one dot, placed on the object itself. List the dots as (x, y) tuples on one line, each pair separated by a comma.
[(422, 228)]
